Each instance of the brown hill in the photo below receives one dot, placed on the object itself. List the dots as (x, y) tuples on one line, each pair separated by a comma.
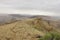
[(19, 30), (28, 29)]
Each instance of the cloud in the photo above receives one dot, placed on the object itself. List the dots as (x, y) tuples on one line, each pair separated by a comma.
[(51, 6)]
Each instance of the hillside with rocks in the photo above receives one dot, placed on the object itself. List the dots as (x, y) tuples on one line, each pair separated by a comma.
[(31, 28)]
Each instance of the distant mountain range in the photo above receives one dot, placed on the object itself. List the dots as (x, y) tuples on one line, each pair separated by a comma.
[(6, 18)]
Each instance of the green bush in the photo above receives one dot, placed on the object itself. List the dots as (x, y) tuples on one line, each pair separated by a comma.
[(57, 36), (51, 36)]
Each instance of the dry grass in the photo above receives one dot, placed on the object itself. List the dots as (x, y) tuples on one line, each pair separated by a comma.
[(18, 31), (24, 30)]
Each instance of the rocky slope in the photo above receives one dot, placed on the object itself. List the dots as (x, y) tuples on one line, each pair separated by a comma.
[(31, 28)]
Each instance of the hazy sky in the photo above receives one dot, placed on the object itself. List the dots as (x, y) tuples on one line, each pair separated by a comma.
[(42, 7)]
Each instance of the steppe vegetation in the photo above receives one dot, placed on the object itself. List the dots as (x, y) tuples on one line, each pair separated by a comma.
[(29, 29)]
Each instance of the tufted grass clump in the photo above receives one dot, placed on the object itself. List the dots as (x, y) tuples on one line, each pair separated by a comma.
[(51, 36)]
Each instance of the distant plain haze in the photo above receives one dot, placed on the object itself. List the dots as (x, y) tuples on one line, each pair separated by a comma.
[(33, 7)]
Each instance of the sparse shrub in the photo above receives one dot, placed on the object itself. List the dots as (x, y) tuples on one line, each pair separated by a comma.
[(57, 36), (51, 36)]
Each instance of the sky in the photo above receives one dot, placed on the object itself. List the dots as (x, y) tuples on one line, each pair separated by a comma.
[(34, 7)]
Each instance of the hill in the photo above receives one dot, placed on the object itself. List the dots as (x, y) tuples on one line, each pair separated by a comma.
[(31, 28), (19, 30)]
